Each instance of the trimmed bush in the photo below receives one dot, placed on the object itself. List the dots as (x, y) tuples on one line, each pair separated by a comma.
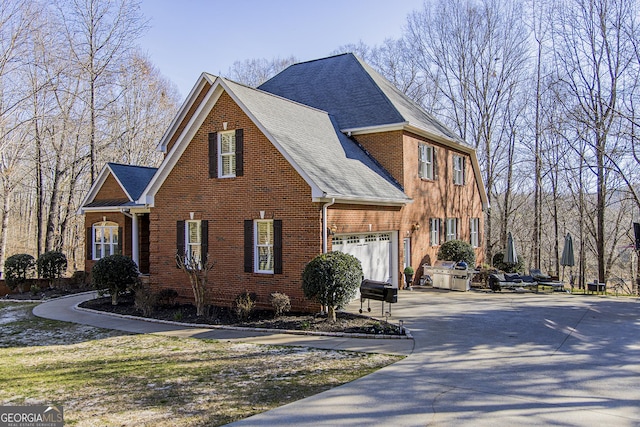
[(116, 274), (17, 269), (51, 266), (332, 280), (457, 250), (280, 302)]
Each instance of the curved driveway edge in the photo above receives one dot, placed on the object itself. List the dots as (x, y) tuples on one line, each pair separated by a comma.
[(66, 309)]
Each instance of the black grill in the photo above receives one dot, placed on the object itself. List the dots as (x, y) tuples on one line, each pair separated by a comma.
[(378, 291)]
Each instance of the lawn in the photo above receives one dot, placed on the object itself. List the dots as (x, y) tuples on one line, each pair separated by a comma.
[(103, 377)]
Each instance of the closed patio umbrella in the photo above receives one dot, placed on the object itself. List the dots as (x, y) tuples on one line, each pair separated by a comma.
[(567, 260), (511, 256)]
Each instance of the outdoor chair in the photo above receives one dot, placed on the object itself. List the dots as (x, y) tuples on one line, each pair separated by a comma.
[(499, 281), (539, 276)]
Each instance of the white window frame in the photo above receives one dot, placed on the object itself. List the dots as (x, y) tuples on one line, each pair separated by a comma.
[(104, 247), (458, 170), (474, 231), (452, 229), (425, 161), (434, 230), (231, 155), (260, 265), (193, 247)]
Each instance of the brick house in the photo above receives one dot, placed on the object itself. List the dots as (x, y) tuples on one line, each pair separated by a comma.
[(327, 155)]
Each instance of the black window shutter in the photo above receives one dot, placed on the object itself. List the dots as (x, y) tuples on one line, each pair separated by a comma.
[(89, 243), (239, 152), (213, 155), (204, 240), (464, 171), (248, 246), (277, 246), (435, 163), (120, 237), (179, 239), (443, 232)]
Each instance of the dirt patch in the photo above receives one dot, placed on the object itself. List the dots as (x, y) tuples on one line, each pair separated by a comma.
[(186, 313)]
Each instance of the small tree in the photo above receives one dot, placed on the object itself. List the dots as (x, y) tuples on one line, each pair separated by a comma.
[(116, 274), (198, 274), (332, 280), (457, 250), (51, 265), (17, 269)]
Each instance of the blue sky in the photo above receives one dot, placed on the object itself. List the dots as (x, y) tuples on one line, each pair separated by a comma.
[(187, 37)]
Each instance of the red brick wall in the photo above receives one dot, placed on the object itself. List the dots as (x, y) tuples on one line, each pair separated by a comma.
[(121, 219), (269, 184), (111, 190), (440, 198)]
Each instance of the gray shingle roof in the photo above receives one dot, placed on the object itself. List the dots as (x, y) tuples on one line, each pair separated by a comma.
[(134, 179), (334, 163), (353, 92)]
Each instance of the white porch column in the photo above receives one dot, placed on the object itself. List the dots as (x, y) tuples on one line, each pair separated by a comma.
[(135, 246)]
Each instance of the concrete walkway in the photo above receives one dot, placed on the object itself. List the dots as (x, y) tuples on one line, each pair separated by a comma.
[(479, 360)]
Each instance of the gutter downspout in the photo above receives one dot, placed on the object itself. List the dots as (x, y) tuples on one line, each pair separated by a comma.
[(325, 236)]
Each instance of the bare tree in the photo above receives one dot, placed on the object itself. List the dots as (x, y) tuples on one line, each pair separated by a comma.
[(15, 24), (254, 72), (594, 55), (474, 53), (101, 33), (198, 273), (135, 121)]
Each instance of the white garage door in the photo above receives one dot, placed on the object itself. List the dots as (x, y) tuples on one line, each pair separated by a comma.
[(372, 249)]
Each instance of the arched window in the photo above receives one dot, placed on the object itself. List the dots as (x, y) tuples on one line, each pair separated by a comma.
[(106, 239)]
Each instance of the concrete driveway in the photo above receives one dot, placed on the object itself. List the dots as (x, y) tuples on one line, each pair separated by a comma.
[(494, 360)]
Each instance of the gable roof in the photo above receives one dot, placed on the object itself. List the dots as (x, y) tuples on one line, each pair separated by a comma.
[(132, 179), (334, 166)]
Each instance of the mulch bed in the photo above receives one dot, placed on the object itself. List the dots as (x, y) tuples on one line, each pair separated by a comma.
[(186, 313)]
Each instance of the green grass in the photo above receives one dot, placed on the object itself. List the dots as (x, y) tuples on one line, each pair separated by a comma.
[(103, 377)]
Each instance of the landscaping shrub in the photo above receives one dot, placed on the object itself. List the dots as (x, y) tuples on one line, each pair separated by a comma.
[(280, 302), (457, 250), (17, 269), (498, 262), (167, 297), (51, 266), (79, 279), (244, 305), (145, 300), (116, 274), (332, 280)]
